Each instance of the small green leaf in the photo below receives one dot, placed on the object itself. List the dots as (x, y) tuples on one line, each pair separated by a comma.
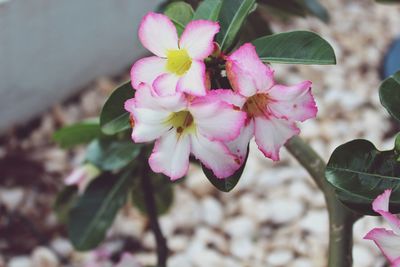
[(95, 210), (208, 10), (110, 154), (297, 47), (231, 18), (65, 200), (163, 193), (389, 93), (359, 173), (388, 1), (78, 133), (226, 184), (180, 13), (114, 118)]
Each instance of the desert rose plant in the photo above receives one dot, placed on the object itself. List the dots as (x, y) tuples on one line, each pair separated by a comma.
[(207, 89)]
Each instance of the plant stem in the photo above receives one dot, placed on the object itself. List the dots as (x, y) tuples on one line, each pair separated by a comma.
[(151, 208), (341, 219)]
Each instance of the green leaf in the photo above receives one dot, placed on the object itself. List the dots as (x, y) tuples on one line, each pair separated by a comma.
[(96, 209), (297, 47), (163, 193), (180, 13), (315, 8), (114, 118), (78, 133), (111, 154), (227, 184), (397, 144), (208, 10), (359, 173), (231, 18), (389, 94), (65, 200), (292, 7)]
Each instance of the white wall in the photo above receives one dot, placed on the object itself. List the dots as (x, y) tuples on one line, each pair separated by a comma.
[(51, 48)]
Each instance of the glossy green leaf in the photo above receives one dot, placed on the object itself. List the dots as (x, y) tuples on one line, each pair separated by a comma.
[(180, 13), (78, 133), (231, 18), (397, 144), (208, 10), (227, 184), (96, 209), (359, 173), (65, 200), (163, 193), (389, 94), (297, 47), (110, 154), (391, 63), (114, 118)]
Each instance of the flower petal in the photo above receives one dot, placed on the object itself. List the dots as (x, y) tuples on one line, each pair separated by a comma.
[(272, 133), (245, 65), (198, 38), (388, 242), (381, 206), (240, 144), (158, 34), (194, 80), (171, 155), (146, 70), (166, 84), (215, 156), (292, 102), (217, 120), (226, 95), (149, 124)]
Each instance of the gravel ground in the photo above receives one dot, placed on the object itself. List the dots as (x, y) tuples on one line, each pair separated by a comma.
[(275, 217)]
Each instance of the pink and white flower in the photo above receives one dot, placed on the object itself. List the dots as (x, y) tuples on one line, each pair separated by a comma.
[(388, 241), (272, 109), (178, 64), (183, 124), (82, 176)]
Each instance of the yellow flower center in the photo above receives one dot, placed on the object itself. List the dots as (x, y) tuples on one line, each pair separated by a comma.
[(182, 121), (256, 105), (178, 61)]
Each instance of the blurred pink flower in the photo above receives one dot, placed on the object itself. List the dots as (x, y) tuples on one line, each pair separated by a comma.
[(388, 241), (178, 64), (272, 109), (82, 176)]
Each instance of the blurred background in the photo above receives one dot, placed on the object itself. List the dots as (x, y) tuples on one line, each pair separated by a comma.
[(59, 60)]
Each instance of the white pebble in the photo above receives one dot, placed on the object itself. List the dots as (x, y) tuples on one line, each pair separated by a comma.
[(212, 212), (280, 257), (44, 257)]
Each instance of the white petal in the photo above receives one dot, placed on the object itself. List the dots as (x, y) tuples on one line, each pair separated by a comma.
[(215, 156), (217, 120), (194, 80), (166, 84), (388, 242), (240, 144), (171, 155), (292, 102), (158, 34), (198, 38), (272, 133), (146, 70), (149, 124)]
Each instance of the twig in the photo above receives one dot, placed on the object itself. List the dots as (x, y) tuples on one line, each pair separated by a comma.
[(151, 208), (341, 219)]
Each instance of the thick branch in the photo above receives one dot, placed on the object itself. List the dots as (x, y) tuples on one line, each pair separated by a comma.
[(151, 208), (341, 219)]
